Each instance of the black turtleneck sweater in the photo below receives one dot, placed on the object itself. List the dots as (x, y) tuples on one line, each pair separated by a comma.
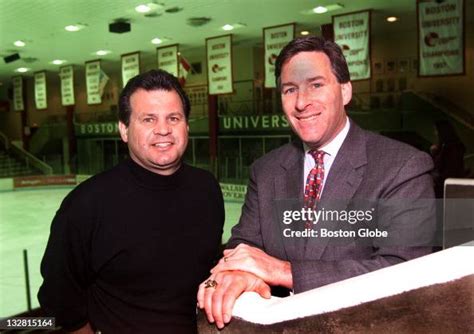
[(128, 249)]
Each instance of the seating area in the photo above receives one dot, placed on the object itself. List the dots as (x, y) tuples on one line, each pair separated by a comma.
[(11, 166)]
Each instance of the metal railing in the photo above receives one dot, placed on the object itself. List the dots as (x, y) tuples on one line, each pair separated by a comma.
[(30, 160), (4, 140)]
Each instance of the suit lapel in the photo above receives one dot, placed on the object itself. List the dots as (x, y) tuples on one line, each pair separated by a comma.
[(343, 180), (288, 185)]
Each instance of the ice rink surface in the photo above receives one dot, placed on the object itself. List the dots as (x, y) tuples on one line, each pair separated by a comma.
[(25, 219)]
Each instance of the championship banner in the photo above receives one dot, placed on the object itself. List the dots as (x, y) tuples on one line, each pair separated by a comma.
[(440, 37), (274, 39), (167, 58), (352, 34), (41, 101), (66, 74), (130, 66), (18, 104), (92, 82), (219, 64)]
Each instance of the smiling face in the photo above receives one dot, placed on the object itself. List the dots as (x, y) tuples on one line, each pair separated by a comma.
[(312, 98), (157, 135)]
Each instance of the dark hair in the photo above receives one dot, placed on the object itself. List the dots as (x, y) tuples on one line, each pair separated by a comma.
[(317, 44), (151, 80)]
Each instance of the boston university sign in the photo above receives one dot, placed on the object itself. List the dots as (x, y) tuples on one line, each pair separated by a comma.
[(227, 125), (97, 129), (253, 123)]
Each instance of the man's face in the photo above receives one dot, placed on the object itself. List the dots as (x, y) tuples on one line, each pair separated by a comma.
[(157, 134), (312, 99)]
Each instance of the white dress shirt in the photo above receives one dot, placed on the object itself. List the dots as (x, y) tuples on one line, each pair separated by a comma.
[(330, 149)]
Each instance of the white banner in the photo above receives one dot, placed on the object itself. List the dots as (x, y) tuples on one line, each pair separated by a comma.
[(275, 38), (130, 66), (219, 64), (352, 34), (18, 104), (66, 74), (167, 58), (441, 37), (92, 82), (41, 100)]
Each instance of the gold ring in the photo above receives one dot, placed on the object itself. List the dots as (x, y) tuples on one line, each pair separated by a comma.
[(210, 283), (226, 259)]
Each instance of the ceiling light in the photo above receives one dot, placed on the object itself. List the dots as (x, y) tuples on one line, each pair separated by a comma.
[(74, 27), (143, 8), (392, 19), (304, 32), (102, 52), (156, 40), (228, 27), (22, 70), (320, 10), (58, 62), (19, 43), (71, 28)]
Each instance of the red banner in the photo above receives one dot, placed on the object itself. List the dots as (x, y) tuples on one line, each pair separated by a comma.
[(41, 181)]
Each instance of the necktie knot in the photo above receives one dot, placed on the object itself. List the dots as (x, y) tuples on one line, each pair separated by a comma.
[(317, 156)]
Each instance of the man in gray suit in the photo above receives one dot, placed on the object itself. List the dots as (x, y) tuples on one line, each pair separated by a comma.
[(313, 78)]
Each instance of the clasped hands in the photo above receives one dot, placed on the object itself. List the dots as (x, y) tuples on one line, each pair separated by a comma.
[(244, 268)]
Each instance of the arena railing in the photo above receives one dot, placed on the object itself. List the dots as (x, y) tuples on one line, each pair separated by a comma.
[(4, 140), (30, 159)]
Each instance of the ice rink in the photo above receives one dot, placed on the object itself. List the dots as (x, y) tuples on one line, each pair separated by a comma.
[(25, 219)]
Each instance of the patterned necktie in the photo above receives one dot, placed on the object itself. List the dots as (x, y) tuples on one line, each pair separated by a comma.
[(314, 181)]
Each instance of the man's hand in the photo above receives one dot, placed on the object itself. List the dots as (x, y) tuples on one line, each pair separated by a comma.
[(253, 260), (218, 301)]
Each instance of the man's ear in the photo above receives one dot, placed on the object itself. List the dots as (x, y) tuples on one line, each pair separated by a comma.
[(346, 89), (123, 129)]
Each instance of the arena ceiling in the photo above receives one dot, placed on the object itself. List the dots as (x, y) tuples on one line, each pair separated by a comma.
[(40, 24)]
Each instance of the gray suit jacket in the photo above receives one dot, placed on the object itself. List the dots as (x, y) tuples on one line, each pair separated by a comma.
[(367, 166)]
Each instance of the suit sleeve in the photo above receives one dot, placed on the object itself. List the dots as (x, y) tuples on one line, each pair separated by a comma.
[(413, 182), (65, 267)]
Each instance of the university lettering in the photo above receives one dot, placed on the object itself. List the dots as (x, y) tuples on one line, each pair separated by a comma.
[(255, 122)]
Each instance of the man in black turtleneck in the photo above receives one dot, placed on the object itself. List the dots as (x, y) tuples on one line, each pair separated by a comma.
[(129, 247)]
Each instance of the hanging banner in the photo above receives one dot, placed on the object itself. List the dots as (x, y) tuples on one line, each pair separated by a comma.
[(66, 74), (440, 37), (41, 100), (92, 82), (167, 58), (130, 66), (274, 39), (184, 70), (18, 104), (219, 64), (352, 34)]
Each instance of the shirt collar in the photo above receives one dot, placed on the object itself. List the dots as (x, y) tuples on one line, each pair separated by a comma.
[(334, 145)]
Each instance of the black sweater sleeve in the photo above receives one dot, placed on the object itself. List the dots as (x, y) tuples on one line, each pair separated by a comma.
[(65, 267), (210, 247)]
